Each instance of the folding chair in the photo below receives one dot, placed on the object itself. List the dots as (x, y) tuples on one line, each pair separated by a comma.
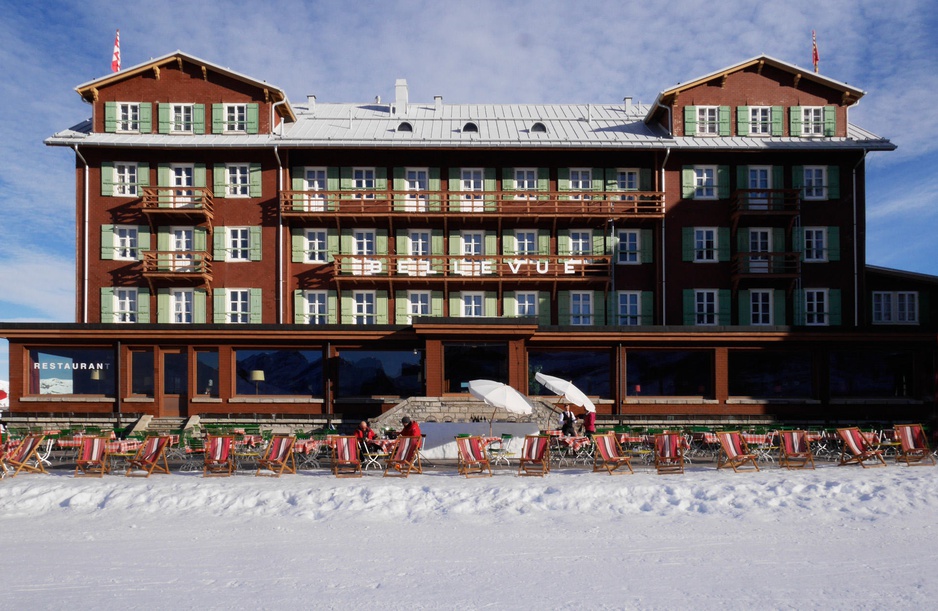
[(218, 459), (278, 459), (669, 453), (913, 445), (25, 457), (149, 459), (794, 450), (403, 457), (345, 459), (472, 459), (608, 455), (856, 450), (535, 456), (734, 452), (92, 458)]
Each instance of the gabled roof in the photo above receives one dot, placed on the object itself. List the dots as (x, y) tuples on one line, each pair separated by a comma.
[(87, 90)]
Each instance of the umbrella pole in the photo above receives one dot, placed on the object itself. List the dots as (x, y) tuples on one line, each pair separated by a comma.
[(491, 421)]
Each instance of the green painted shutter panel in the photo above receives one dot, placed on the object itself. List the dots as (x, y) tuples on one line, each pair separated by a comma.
[(830, 120), (220, 180), (687, 244), (508, 179), (257, 307), (543, 179), (511, 304), (455, 306), (596, 176), (143, 305), (254, 244), (400, 307), (488, 184), (220, 306), (332, 307), (435, 184), (436, 242), (401, 242), (778, 177), (724, 306), (299, 307), (723, 181), (778, 239), (798, 303), (345, 242), (833, 182), (199, 297), (143, 175), (797, 242), (198, 118), (563, 179), (107, 304), (399, 183), (690, 120), (543, 308), (563, 242), (490, 304), (199, 238), (723, 244), (455, 244), (107, 178), (163, 118), (143, 240), (689, 307), (742, 177), (646, 302), (742, 120), (688, 182), (644, 179), (599, 244), (778, 118), (146, 118), (612, 179), (218, 119), (436, 304), (162, 238), (742, 239), (795, 115), (543, 242), (778, 303), (298, 178), (381, 241), (332, 244), (332, 178), (297, 244), (219, 245), (833, 243), (253, 113), (198, 175), (110, 117), (490, 243), (563, 308), (835, 313), (381, 179), (723, 116), (346, 307), (162, 306), (346, 178), (797, 179), (647, 246), (745, 308), (510, 244), (255, 180), (455, 179)]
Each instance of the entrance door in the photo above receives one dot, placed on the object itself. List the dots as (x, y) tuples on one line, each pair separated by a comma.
[(175, 384)]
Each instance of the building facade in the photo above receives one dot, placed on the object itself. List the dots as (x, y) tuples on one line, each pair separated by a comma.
[(702, 256)]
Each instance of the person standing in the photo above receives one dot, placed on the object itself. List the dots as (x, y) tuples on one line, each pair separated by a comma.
[(568, 422), (589, 424)]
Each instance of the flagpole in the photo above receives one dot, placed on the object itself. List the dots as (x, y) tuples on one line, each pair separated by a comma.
[(815, 57), (116, 54)]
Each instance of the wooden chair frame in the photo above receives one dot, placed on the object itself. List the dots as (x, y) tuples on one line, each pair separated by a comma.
[(278, 458), (794, 450), (346, 461), (93, 459), (25, 457), (472, 459), (734, 452), (150, 458), (608, 455), (403, 459), (669, 453), (913, 445), (534, 459), (857, 451), (218, 456)]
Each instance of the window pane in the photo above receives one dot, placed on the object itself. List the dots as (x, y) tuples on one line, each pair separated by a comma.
[(66, 371), (770, 374), (366, 373), (464, 362), (590, 370), (669, 373), (286, 372)]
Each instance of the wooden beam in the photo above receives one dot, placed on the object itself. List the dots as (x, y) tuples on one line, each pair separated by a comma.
[(761, 65), (179, 63), (204, 73), (797, 80), (156, 72)]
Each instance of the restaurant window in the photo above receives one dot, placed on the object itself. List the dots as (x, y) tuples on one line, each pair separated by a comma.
[(590, 370), (206, 372), (286, 372), (141, 372), (872, 373), (670, 373), (471, 361), (771, 374), (369, 373), (71, 371)]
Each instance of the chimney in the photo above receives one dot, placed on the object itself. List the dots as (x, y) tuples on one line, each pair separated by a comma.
[(400, 94), (438, 102), (311, 100), (627, 102)]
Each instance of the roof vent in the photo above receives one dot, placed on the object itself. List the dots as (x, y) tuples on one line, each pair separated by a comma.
[(311, 100), (470, 127), (539, 128), (400, 94), (627, 102), (438, 102), (405, 127)]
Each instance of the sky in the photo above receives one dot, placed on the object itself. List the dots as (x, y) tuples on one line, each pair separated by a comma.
[(484, 51)]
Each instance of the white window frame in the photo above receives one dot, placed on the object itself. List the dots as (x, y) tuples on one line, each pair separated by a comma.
[(363, 179), (364, 242), (418, 304), (364, 305), (895, 308), (817, 307), (812, 121), (469, 240), (705, 182), (315, 181), (526, 303), (702, 237), (416, 183), (706, 307), (182, 241), (126, 177), (581, 179), (708, 120), (238, 244), (316, 245), (472, 185), (125, 304), (316, 308), (525, 181), (581, 242), (760, 245), (235, 119), (815, 252), (761, 307), (760, 120), (419, 242), (629, 308), (473, 304), (238, 306), (237, 180), (128, 118), (126, 243), (629, 247), (181, 305), (812, 191), (581, 308), (182, 179), (181, 118), (526, 241), (759, 181)]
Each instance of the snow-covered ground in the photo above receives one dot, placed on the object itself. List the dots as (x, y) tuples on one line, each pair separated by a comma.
[(834, 538)]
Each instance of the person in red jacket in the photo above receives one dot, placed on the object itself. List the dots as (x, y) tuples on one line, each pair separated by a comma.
[(364, 432), (411, 428), (589, 424)]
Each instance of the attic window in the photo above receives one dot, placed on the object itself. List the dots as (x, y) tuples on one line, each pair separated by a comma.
[(470, 127), (405, 127), (538, 128)]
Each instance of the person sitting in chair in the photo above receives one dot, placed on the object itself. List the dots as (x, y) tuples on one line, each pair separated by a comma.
[(411, 428), (365, 435)]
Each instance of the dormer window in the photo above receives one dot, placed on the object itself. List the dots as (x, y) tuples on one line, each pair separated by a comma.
[(128, 117), (708, 121), (235, 118), (813, 121), (539, 128), (181, 119), (470, 127), (405, 127)]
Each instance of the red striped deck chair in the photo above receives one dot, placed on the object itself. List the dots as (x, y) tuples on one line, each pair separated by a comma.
[(150, 458), (346, 461), (92, 458), (608, 455), (278, 459), (913, 445), (219, 461), (535, 456), (24, 457), (734, 452), (669, 453), (856, 449), (403, 457), (794, 450), (472, 458)]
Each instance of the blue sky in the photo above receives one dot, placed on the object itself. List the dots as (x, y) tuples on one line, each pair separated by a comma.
[(480, 51)]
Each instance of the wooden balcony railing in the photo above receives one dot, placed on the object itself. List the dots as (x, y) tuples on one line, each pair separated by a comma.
[(766, 202), (448, 267), (183, 202), (177, 264), (766, 264)]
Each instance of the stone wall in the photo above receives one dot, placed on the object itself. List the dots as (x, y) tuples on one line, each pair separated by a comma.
[(438, 409)]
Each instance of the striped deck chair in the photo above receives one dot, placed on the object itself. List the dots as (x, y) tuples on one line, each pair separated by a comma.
[(734, 452), (92, 458), (403, 457), (218, 458), (24, 457), (669, 453), (278, 459), (535, 456), (857, 451), (913, 445), (150, 458), (608, 455), (346, 461), (794, 450), (472, 459)]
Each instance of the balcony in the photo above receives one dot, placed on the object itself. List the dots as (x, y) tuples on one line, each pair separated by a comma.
[(175, 267), (765, 265), (765, 203), (182, 204)]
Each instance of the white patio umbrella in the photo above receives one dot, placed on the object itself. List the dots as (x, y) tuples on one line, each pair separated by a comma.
[(501, 395), (567, 390)]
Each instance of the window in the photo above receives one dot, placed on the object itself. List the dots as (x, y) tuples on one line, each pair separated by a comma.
[(815, 182), (815, 244), (812, 120), (581, 308), (705, 307), (363, 242), (629, 247), (236, 118), (760, 178), (705, 182), (238, 183), (581, 179), (526, 240), (760, 307), (239, 243), (708, 120), (630, 308), (405, 127), (181, 119), (125, 179), (315, 307), (705, 244), (182, 181), (539, 128), (125, 243), (363, 179), (314, 180), (419, 243), (317, 248), (525, 180), (760, 244), (471, 183), (895, 308), (180, 303), (182, 242), (363, 308), (418, 304), (472, 305), (416, 183), (472, 243), (760, 120), (470, 127), (128, 117), (627, 179), (239, 306), (125, 305), (526, 303), (581, 241), (816, 307)]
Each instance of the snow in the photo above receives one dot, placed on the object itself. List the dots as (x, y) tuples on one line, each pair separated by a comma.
[(833, 538)]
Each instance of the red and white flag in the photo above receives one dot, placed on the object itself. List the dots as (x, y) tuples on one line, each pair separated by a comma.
[(116, 57), (814, 54)]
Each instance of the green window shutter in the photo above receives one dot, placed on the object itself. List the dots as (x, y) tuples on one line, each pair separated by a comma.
[(110, 117), (543, 308), (563, 179), (219, 180), (162, 238), (742, 177), (218, 118), (162, 306), (543, 242), (778, 303), (833, 182), (198, 118), (563, 242), (644, 179), (400, 307), (143, 175), (297, 244), (794, 121), (797, 179), (399, 184), (778, 118), (199, 298), (163, 118), (725, 307), (563, 308), (199, 238), (798, 303), (146, 117), (107, 242), (723, 244), (689, 307), (455, 179), (381, 241), (455, 306), (256, 301), (599, 244), (345, 242), (490, 243), (778, 239), (220, 306), (688, 182), (599, 310), (436, 242), (511, 304), (455, 244), (435, 184), (346, 178), (253, 112), (833, 243), (647, 246), (778, 177), (687, 244), (219, 244), (401, 242), (723, 116), (797, 242), (198, 175), (723, 181), (488, 184), (742, 120), (690, 120), (107, 178), (835, 315), (332, 307), (745, 308), (381, 179), (596, 175), (143, 240), (143, 305), (508, 179), (830, 120), (742, 239), (255, 180), (297, 178), (490, 304), (254, 245), (509, 244), (332, 244), (436, 304), (647, 305), (299, 308), (346, 307), (107, 304), (543, 179), (333, 179)]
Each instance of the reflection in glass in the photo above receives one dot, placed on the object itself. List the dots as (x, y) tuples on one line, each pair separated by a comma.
[(66, 371), (286, 372), (367, 373), (206, 373), (591, 371), (464, 362), (872, 373), (670, 373), (770, 373), (141, 372)]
